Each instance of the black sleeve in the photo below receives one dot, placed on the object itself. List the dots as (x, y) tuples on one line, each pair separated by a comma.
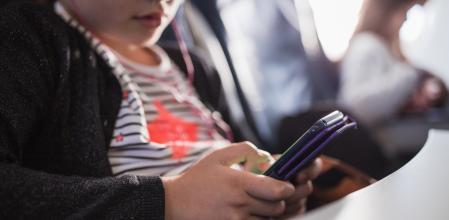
[(26, 84)]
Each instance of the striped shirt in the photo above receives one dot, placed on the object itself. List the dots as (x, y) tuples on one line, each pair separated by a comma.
[(162, 127)]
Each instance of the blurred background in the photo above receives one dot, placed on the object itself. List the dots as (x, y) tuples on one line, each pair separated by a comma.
[(286, 63)]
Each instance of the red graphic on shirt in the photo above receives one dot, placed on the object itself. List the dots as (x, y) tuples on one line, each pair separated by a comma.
[(119, 138), (173, 131), (125, 94)]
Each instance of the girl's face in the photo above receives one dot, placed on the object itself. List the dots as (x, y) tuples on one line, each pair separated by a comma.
[(137, 22)]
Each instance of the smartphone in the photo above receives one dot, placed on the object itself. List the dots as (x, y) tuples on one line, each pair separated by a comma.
[(310, 145)]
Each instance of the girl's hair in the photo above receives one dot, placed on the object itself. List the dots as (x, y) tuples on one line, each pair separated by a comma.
[(375, 14)]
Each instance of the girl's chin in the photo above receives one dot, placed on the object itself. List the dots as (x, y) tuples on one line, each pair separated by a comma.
[(149, 37), (145, 40), (138, 38)]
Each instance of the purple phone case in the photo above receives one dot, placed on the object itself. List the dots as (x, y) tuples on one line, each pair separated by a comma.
[(311, 144), (320, 148)]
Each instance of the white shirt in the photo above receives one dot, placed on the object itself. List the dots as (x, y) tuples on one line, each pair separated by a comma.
[(374, 83)]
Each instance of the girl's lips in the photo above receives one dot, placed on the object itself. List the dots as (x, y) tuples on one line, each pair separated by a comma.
[(153, 20)]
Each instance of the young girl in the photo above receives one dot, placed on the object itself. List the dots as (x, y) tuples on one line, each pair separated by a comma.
[(96, 121)]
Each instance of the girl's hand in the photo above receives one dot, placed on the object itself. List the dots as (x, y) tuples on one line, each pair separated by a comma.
[(213, 190)]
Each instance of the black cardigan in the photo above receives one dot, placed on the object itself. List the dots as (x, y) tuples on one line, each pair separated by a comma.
[(58, 105)]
